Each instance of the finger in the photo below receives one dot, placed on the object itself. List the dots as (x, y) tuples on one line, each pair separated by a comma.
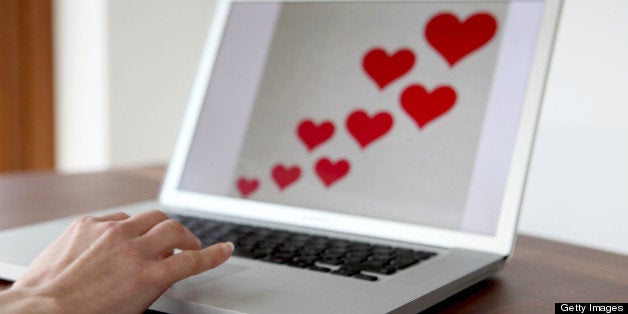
[(143, 222), (192, 262), (167, 236), (113, 217)]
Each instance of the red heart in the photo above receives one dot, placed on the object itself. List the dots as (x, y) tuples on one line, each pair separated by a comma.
[(330, 172), (285, 176), (365, 129), (384, 69), (313, 135), (454, 39), (247, 186), (424, 107)]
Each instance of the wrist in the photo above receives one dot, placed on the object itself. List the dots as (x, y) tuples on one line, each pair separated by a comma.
[(21, 300)]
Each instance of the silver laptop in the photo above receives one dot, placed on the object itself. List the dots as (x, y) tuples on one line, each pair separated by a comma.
[(365, 156)]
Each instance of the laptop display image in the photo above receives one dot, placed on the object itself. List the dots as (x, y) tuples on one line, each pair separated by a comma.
[(375, 119), (368, 154)]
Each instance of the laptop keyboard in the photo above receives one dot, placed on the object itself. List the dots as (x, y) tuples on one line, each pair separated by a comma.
[(336, 256)]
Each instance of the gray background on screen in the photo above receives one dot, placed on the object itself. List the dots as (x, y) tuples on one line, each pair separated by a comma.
[(314, 71)]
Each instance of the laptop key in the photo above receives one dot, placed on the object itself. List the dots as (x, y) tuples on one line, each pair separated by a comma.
[(330, 261), (402, 263), (423, 255), (282, 254), (375, 262), (310, 250), (365, 277), (345, 272), (247, 254), (321, 269), (300, 264), (370, 268), (353, 259)]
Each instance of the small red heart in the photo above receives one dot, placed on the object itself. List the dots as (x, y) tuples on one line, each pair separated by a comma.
[(330, 172), (313, 135), (384, 69), (284, 176), (247, 186), (365, 129), (454, 39), (423, 107)]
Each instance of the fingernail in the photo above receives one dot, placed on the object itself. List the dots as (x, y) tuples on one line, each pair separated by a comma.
[(227, 247), (199, 242)]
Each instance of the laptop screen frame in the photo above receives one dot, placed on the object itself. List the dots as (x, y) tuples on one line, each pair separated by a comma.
[(501, 242)]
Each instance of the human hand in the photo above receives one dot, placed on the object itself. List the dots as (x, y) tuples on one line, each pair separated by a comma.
[(112, 264)]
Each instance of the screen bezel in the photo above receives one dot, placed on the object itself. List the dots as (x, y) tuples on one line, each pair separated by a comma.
[(500, 243)]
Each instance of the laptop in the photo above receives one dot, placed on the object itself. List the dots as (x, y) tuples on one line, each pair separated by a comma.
[(364, 156)]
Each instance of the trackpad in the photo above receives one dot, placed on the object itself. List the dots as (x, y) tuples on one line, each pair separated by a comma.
[(219, 272)]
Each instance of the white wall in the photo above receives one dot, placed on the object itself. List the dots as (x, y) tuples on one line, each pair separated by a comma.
[(154, 47), (578, 186), (123, 72)]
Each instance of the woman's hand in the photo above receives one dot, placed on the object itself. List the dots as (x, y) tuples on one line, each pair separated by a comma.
[(111, 264)]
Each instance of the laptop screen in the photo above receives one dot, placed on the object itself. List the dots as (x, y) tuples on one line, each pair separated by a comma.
[(402, 111)]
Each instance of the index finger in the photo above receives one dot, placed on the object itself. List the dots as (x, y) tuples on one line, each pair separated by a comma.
[(192, 262)]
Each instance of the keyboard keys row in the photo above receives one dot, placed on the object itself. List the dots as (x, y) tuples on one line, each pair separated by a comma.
[(318, 253)]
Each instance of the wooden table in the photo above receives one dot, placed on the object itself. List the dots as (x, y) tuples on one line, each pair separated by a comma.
[(541, 273)]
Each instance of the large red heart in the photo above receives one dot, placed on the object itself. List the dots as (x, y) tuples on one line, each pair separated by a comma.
[(285, 176), (365, 129), (423, 107), (384, 69), (454, 39), (247, 186), (313, 135), (329, 172)]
